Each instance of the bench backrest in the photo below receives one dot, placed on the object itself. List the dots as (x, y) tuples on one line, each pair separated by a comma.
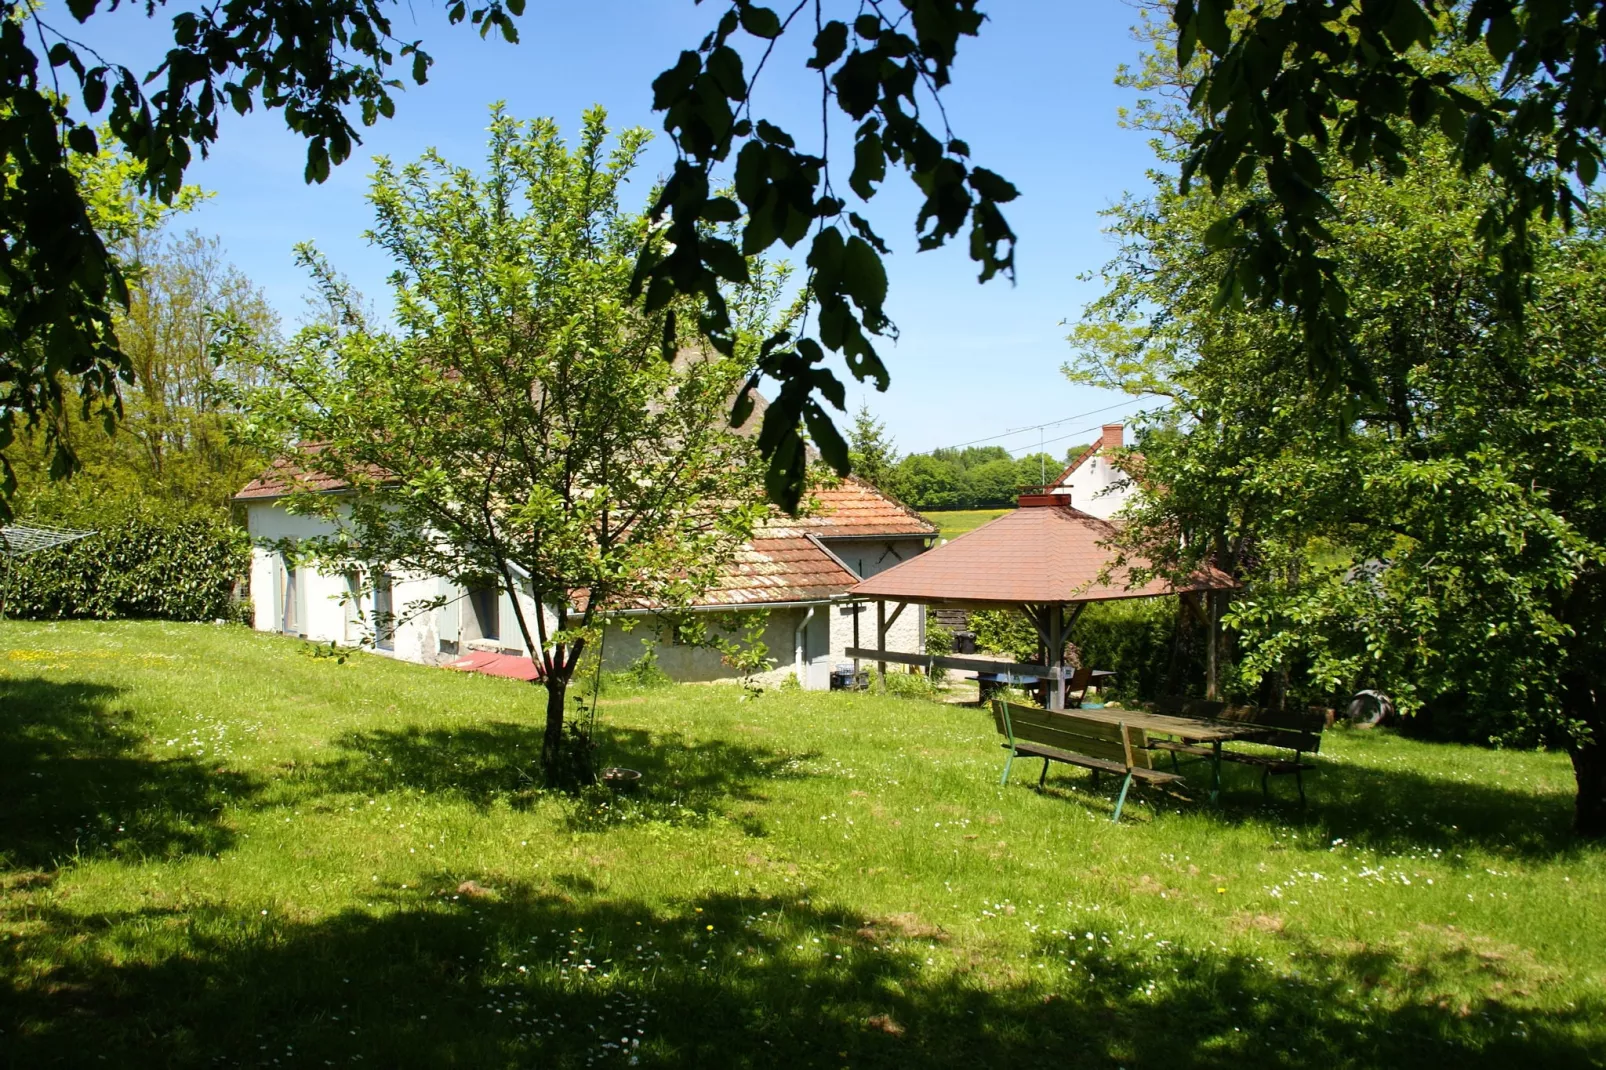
[(1080, 735), (1299, 730)]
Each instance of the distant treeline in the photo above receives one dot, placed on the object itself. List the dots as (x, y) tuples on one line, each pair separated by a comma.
[(975, 477)]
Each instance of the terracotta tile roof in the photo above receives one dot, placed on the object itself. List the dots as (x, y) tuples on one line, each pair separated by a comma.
[(1045, 553), (288, 474), (855, 508), (780, 565)]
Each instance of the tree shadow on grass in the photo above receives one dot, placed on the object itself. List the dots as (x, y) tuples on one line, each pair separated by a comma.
[(520, 975), (75, 782), (683, 780), (1391, 810)]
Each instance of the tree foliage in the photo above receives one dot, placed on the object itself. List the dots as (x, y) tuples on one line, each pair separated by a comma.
[(884, 68), (326, 66), (177, 439), (527, 427), (1448, 547), (1292, 95), (1284, 91)]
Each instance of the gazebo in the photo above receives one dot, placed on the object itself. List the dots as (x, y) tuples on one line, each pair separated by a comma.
[(1045, 558)]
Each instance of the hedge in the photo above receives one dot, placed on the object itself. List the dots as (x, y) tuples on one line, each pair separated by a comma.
[(142, 562), (1143, 640)]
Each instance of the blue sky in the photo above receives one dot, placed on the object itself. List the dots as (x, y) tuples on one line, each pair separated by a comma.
[(1033, 95)]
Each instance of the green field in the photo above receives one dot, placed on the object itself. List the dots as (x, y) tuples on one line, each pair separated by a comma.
[(218, 849), (953, 522)]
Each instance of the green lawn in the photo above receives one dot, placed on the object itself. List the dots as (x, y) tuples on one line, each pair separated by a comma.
[(216, 849), (954, 522)]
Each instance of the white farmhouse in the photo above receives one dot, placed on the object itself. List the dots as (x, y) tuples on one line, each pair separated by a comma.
[(1096, 481), (798, 570)]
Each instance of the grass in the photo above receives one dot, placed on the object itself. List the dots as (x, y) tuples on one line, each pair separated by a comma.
[(954, 522), (217, 849)]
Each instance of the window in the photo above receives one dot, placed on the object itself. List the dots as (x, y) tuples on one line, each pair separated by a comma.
[(353, 607), (384, 613), (291, 624), (484, 618)]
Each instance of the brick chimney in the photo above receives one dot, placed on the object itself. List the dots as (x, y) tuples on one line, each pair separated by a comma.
[(1113, 438)]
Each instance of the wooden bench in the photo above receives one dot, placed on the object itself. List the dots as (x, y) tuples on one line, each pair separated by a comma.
[(1064, 737), (1297, 730)]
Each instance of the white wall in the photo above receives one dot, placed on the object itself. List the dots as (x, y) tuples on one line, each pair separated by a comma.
[(870, 556), (700, 664), (1097, 487), (324, 608), (421, 635), (906, 635)]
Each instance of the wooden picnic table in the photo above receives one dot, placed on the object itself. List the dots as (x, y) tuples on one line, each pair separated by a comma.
[(1186, 729)]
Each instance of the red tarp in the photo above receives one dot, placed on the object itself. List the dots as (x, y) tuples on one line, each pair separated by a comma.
[(508, 665)]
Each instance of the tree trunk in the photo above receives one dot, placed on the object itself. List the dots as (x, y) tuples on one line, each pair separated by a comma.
[(557, 691), (1582, 702), (1589, 767)]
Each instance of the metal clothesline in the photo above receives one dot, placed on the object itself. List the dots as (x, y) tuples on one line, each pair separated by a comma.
[(17, 540)]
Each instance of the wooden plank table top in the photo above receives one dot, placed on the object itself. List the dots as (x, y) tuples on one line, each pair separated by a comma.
[(1187, 729)]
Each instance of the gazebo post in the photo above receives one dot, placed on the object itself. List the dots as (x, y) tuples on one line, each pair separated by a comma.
[(858, 607), (881, 637), (1056, 656), (1212, 679)]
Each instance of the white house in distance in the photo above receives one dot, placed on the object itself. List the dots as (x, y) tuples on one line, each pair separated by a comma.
[(796, 569), (1095, 481)]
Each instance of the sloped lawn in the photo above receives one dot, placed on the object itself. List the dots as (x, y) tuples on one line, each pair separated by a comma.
[(216, 849)]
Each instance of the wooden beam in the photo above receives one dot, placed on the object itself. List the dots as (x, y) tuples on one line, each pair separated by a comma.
[(949, 662), (1190, 601), (1036, 616), (896, 613)]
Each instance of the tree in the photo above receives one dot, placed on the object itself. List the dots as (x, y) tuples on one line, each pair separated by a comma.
[(528, 428), (993, 483), (929, 483), (1450, 545), (326, 65), (1279, 83), (874, 456), (176, 441)]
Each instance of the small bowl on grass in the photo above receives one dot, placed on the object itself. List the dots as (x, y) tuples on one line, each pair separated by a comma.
[(621, 779)]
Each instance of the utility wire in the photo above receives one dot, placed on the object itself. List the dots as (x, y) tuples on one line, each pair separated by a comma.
[(1038, 427)]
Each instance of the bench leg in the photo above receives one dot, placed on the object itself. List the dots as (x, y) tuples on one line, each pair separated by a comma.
[(1299, 778), (1095, 773), (1007, 763), (1120, 802), (1044, 777), (1265, 777), (1174, 766)]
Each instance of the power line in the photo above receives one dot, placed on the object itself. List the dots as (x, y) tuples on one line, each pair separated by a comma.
[(1037, 427), (1049, 442)]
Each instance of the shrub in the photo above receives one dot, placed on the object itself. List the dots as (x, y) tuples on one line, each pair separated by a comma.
[(908, 685), (1137, 639), (940, 641), (1141, 640), (143, 561)]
